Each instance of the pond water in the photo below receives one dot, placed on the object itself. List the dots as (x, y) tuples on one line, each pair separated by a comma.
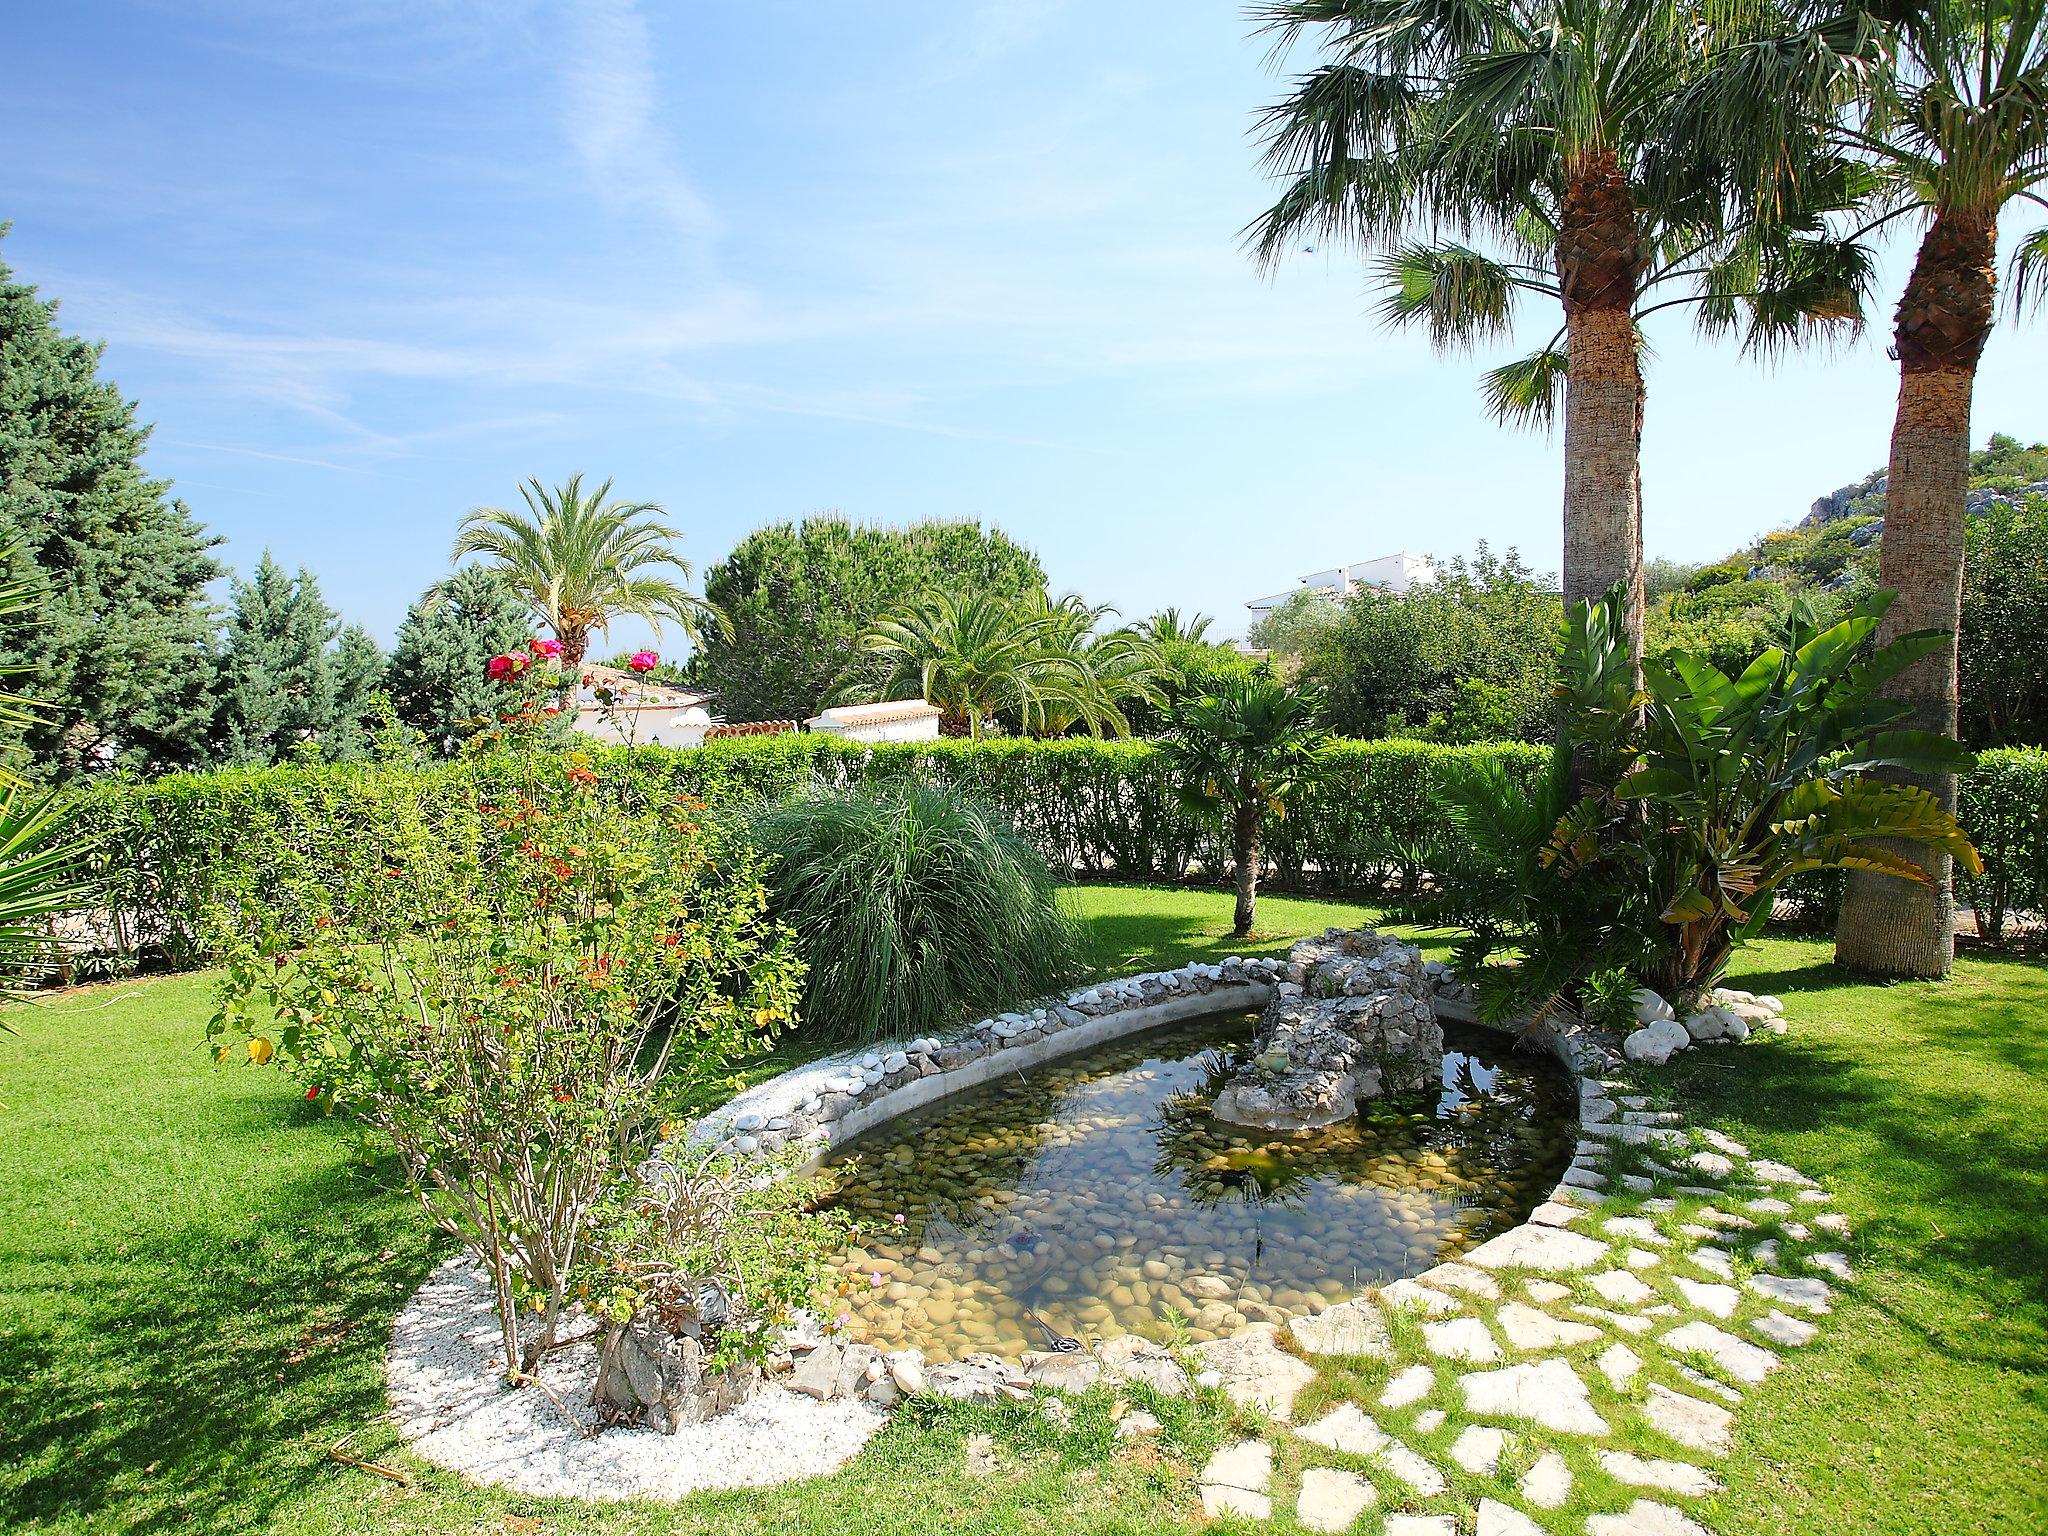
[(1096, 1196)]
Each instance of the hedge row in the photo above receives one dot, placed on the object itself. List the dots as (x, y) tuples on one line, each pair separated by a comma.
[(179, 846), (174, 848)]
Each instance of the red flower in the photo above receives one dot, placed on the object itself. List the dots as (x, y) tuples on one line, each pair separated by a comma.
[(509, 665), (547, 648), (312, 1093), (643, 661)]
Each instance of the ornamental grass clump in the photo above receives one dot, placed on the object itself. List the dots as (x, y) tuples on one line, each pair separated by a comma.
[(915, 908), (507, 994)]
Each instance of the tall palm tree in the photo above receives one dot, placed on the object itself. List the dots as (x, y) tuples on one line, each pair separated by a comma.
[(1169, 626), (977, 657), (1945, 104), (1118, 667), (1539, 126), (581, 560)]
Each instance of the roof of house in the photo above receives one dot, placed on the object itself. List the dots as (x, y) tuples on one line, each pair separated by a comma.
[(635, 691), (878, 714), (749, 728)]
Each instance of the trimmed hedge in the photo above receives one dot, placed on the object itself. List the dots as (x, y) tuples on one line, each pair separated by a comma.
[(174, 848)]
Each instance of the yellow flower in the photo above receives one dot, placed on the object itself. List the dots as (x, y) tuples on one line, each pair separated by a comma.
[(261, 1050)]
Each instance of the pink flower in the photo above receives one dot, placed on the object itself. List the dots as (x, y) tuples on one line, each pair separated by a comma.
[(547, 648), (643, 661), (503, 667)]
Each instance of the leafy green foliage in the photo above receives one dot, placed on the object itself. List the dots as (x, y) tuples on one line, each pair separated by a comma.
[(2003, 662), (438, 676), (519, 979), (915, 908), (797, 598), (2004, 803), (119, 633)]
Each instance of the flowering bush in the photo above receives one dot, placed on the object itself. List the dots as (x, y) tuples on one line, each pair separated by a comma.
[(643, 662), (503, 992)]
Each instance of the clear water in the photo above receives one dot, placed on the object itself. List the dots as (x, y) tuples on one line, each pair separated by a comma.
[(1097, 1197)]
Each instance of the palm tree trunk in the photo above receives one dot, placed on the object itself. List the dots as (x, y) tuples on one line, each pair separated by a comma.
[(1245, 850), (575, 646), (1889, 926), (1599, 263)]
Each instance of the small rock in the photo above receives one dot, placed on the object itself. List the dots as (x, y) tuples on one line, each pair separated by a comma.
[(1655, 1044), (1137, 1423), (981, 1455), (1548, 1392), (1331, 1500), (1650, 1007), (1645, 1518), (1478, 1448), (1498, 1519), (1407, 1386), (1548, 1483), (1526, 1328)]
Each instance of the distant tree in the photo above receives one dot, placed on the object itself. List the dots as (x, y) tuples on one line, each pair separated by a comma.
[(2005, 616), (117, 631), (292, 679), (1662, 575), (1168, 627), (437, 678), (582, 560), (797, 597), (1291, 630)]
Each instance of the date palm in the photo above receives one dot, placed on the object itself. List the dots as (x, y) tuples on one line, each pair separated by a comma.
[(1538, 127), (1118, 667), (580, 560), (977, 657), (1947, 104)]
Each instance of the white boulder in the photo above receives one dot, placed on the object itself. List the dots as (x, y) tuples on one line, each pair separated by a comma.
[(1710, 1023), (1657, 1043), (1650, 1007)]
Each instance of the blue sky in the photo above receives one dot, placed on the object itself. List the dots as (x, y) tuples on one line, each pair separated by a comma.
[(368, 263)]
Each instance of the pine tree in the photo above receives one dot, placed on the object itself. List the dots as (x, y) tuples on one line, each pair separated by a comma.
[(283, 679), (437, 678), (119, 635)]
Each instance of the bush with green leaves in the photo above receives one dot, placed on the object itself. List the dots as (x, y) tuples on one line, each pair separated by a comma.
[(2004, 803), (506, 989), (915, 908)]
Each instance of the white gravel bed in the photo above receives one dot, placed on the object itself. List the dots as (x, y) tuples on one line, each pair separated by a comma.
[(451, 1403)]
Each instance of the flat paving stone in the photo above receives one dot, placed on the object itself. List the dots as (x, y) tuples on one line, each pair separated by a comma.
[(1693, 1424), (1407, 1293), (1544, 1292), (1548, 1483), (1778, 1173), (1235, 1478), (1527, 1328), (1719, 1300), (1422, 1525), (1621, 1287), (1637, 1228), (1549, 1250), (1619, 1364), (1833, 1221), (1646, 1518), (1766, 1252), (1552, 1213), (1804, 1292), (1641, 1258), (1461, 1338), (1454, 1276), (1478, 1447), (1429, 1421), (1331, 1500), (1417, 1471), (1498, 1519), (1625, 1321), (1768, 1205), (1548, 1392), (1723, 1143), (1711, 1385), (1739, 1358), (1410, 1385), (1836, 1264), (1715, 1261), (1349, 1328), (1347, 1428), (1256, 1371), (1713, 1164), (1680, 1477), (1782, 1329)]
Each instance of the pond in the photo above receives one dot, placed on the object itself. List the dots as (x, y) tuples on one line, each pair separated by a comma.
[(1097, 1197)]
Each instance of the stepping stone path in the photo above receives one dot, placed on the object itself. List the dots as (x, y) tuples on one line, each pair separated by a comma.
[(1546, 1344)]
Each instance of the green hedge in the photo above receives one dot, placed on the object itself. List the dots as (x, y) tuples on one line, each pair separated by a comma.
[(179, 846), (175, 847)]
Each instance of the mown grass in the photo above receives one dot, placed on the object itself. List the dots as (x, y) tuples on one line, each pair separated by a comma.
[(197, 1275)]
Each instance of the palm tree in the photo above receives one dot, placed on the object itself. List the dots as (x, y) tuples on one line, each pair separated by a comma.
[(581, 560), (1118, 668), (1169, 627), (1540, 126), (1947, 104), (1240, 754), (978, 656)]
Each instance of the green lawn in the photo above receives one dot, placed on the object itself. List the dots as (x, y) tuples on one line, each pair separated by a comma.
[(197, 1275)]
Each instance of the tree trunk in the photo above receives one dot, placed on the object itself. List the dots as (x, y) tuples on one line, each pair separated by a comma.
[(575, 646), (1600, 261), (1890, 926), (1245, 849)]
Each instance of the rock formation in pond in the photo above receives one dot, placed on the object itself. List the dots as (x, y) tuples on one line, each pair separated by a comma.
[(1353, 1017)]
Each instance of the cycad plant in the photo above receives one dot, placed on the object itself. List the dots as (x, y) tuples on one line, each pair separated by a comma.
[(581, 560), (1946, 105), (1238, 756), (1539, 128)]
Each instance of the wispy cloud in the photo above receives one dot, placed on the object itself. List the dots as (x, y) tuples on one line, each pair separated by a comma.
[(610, 114)]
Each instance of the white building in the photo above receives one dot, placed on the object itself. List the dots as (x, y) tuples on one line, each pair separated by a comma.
[(651, 714), (1389, 573), (897, 720)]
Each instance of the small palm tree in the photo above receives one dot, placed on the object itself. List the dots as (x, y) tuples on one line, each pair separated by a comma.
[(978, 657), (1540, 127), (1241, 753), (1169, 626), (1116, 668), (581, 560), (1946, 103)]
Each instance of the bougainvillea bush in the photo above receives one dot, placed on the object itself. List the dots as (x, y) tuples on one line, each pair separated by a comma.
[(506, 988)]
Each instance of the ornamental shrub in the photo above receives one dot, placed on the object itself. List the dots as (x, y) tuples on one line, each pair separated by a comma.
[(914, 907), (501, 979)]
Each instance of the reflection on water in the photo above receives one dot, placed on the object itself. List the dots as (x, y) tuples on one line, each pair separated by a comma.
[(1097, 1196)]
